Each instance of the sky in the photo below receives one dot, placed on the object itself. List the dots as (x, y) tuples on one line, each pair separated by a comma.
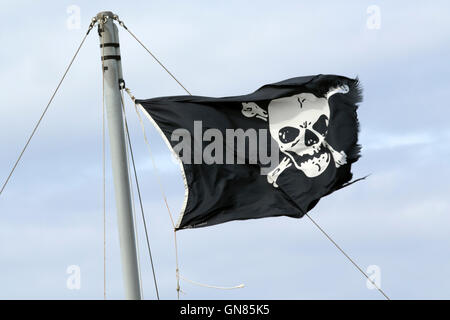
[(397, 220)]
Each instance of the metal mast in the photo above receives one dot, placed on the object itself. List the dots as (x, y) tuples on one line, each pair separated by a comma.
[(113, 80)]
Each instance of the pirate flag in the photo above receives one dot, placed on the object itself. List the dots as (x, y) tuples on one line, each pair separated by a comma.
[(274, 152)]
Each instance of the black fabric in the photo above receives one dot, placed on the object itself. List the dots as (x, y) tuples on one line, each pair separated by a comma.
[(223, 192)]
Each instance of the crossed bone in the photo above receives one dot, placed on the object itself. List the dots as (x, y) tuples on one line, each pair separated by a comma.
[(251, 109), (340, 158)]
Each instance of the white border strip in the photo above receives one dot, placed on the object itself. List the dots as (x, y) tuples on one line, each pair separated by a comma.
[(186, 189)]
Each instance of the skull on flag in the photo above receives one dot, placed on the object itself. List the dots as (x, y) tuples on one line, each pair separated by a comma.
[(299, 125)]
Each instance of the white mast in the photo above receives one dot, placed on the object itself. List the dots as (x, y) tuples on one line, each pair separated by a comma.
[(113, 79)]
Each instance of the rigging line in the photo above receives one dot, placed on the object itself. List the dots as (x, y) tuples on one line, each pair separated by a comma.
[(180, 277), (160, 185), (161, 188), (347, 256), (140, 198), (115, 17), (210, 286), (134, 219), (177, 270), (130, 179), (46, 108)]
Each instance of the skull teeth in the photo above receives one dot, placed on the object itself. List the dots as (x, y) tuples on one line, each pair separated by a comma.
[(312, 151), (316, 156)]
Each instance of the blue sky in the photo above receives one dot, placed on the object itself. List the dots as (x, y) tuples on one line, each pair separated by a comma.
[(398, 219)]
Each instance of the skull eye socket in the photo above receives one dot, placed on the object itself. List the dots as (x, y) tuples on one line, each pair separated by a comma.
[(311, 138), (321, 125), (288, 134)]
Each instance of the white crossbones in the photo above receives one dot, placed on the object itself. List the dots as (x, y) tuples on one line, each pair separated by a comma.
[(251, 109)]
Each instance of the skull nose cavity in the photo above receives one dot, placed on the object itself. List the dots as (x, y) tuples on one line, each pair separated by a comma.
[(310, 138), (288, 134)]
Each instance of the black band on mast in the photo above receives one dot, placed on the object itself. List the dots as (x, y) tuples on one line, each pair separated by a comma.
[(115, 57), (111, 44)]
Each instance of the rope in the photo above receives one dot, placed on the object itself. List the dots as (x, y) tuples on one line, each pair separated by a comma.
[(134, 215), (115, 17), (161, 188), (177, 270), (209, 286), (347, 256), (160, 185), (48, 105), (139, 196)]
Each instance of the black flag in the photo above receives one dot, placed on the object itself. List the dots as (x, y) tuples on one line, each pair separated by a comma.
[(274, 152)]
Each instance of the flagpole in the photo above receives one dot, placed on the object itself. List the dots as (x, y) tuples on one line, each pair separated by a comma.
[(112, 73)]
